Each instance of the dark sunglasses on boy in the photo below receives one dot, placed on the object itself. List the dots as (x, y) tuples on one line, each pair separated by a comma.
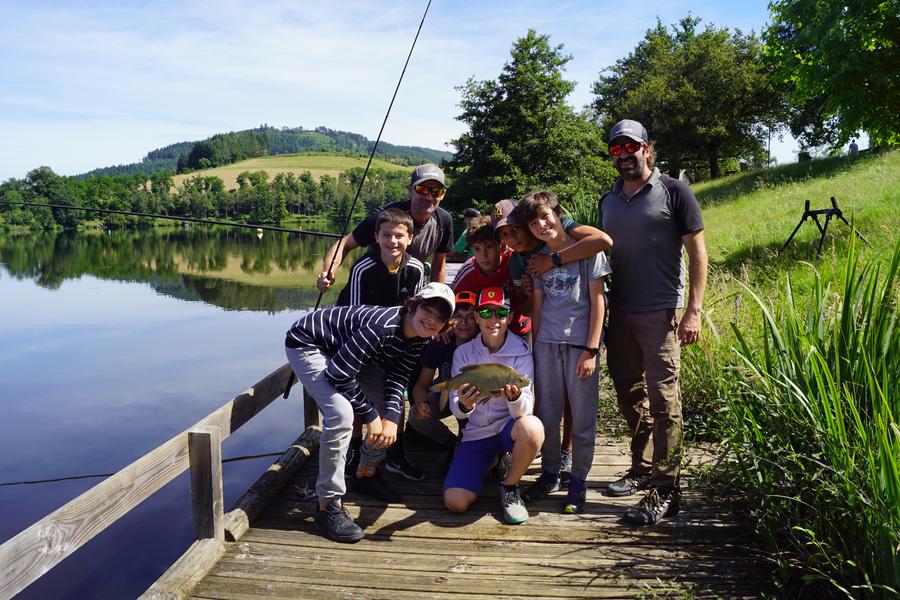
[(487, 313), (629, 147), (434, 192)]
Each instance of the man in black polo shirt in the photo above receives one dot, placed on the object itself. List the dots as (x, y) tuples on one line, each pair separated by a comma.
[(652, 220), (432, 226)]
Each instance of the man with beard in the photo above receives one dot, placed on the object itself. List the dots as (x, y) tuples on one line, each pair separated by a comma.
[(653, 219), (432, 226)]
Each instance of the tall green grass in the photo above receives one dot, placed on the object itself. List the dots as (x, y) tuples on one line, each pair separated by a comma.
[(812, 434)]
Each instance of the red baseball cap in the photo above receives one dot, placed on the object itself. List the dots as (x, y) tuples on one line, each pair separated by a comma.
[(492, 296)]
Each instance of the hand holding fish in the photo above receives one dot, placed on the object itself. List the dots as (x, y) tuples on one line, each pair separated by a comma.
[(511, 392), (468, 395)]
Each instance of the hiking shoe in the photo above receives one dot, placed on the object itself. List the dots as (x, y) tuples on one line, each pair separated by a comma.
[(656, 504), (501, 469), (576, 497), (514, 511), (627, 485), (353, 454), (334, 523), (546, 484), (402, 466), (565, 468), (376, 487)]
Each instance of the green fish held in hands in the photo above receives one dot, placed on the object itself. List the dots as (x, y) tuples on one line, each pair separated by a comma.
[(488, 378)]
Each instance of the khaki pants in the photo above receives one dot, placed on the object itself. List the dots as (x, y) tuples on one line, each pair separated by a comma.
[(644, 359)]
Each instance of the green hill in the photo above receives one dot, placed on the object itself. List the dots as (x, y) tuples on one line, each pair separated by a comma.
[(318, 164)]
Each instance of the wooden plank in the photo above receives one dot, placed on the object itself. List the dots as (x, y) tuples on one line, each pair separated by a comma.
[(207, 503), (248, 507), (187, 571), (40, 547)]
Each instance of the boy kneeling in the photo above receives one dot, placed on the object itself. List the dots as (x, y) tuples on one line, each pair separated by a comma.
[(496, 424)]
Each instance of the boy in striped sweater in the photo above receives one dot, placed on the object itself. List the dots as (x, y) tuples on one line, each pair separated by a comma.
[(327, 349)]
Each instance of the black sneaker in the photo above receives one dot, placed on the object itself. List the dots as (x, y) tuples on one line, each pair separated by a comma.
[(655, 505), (376, 487), (335, 524), (545, 485), (565, 469), (353, 454), (576, 497), (514, 511), (401, 465), (627, 485), (501, 469)]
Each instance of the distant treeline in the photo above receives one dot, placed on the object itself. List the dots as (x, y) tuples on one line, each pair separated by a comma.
[(256, 200), (228, 148)]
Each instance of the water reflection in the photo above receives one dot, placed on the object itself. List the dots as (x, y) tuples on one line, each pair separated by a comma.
[(229, 268)]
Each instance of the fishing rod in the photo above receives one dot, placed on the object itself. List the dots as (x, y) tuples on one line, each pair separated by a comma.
[(176, 218), (292, 377)]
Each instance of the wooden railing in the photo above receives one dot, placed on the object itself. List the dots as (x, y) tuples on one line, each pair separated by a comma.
[(27, 556)]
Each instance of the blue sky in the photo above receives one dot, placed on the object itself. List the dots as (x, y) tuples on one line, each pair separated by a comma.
[(91, 84)]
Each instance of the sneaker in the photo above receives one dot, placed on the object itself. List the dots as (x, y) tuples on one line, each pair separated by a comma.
[(655, 505), (501, 469), (335, 523), (565, 468), (401, 465), (576, 497), (353, 454), (514, 511), (627, 485), (376, 487), (546, 484)]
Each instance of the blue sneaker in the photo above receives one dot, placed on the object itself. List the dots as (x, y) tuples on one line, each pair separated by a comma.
[(576, 497)]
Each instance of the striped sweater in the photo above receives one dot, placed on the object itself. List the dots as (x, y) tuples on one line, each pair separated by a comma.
[(354, 336)]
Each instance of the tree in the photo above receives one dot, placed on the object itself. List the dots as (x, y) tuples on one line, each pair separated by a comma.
[(703, 96), (522, 135), (840, 62)]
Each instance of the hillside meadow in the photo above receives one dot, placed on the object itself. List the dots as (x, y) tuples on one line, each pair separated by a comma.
[(317, 163)]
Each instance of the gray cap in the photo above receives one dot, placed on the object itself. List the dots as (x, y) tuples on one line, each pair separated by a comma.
[(630, 129), (426, 172), (438, 290), (502, 214)]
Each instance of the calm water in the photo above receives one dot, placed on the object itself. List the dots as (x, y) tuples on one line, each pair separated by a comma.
[(110, 344)]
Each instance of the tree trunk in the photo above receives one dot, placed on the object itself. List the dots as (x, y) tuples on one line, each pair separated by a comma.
[(714, 172)]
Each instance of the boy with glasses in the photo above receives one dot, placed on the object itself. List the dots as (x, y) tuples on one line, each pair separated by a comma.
[(494, 424), (432, 226)]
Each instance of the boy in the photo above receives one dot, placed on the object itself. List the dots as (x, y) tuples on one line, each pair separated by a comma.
[(386, 275), (461, 249), (489, 267), (494, 424), (568, 317), (437, 362), (327, 349), (588, 242)]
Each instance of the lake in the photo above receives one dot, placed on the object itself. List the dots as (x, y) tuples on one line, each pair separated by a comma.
[(111, 343)]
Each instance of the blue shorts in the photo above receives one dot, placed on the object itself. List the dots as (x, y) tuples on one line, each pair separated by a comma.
[(471, 460)]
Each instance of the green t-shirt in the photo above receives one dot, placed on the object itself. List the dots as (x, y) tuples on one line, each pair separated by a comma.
[(462, 247)]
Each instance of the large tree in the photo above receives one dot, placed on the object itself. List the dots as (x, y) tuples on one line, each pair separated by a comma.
[(704, 96), (841, 62), (522, 135)]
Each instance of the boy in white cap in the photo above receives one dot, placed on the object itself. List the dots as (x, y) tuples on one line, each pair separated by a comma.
[(327, 349)]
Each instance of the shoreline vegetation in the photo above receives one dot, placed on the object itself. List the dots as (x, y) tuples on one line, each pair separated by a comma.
[(797, 376)]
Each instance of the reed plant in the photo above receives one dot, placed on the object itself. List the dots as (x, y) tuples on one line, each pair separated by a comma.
[(812, 437)]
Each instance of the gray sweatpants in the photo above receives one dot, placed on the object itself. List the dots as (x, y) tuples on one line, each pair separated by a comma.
[(555, 382), (337, 418)]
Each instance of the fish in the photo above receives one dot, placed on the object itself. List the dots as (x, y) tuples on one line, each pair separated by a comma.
[(488, 378)]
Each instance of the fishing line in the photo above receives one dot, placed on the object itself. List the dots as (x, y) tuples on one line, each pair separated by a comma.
[(98, 475), (175, 218), (292, 378)]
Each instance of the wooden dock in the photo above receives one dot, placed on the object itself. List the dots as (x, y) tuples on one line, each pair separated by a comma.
[(418, 549)]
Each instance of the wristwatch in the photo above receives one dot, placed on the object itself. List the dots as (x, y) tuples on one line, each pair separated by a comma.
[(594, 351), (557, 262)]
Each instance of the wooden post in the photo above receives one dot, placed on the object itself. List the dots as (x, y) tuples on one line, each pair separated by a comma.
[(208, 505), (310, 411)]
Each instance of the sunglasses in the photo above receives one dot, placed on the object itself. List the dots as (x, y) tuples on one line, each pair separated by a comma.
[(629, 147), (487, 313), (434, 192)]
